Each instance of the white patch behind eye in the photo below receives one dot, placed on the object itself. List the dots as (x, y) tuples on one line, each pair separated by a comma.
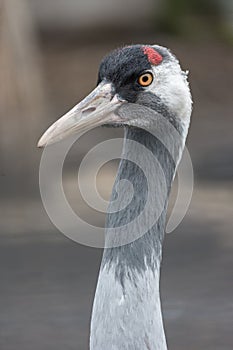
[(170, 84)]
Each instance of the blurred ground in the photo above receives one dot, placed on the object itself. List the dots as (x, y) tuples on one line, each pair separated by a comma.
[(48, 282)]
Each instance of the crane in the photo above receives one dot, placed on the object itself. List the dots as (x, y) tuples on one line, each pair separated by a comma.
[(143, 89)]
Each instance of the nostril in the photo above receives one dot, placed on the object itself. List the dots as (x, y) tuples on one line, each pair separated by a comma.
[(88, 110)]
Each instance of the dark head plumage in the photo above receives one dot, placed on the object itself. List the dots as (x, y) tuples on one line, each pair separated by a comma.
[(123, 66)]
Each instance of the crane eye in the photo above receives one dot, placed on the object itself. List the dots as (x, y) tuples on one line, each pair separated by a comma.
[(145, 79)]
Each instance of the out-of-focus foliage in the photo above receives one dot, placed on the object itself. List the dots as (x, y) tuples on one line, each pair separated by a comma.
[(190, 18)]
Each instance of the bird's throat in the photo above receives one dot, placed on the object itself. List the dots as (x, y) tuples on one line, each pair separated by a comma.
[(137, 211)]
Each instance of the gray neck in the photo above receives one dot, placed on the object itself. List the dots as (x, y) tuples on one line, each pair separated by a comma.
[(126, 312)]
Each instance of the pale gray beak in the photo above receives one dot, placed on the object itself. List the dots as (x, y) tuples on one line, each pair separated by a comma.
[(96, 109)]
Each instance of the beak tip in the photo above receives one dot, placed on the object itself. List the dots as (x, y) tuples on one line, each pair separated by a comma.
[(41, 143)]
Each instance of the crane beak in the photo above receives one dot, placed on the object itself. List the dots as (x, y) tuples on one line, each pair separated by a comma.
[(96, 109)]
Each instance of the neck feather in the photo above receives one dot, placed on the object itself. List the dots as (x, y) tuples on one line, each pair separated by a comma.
[(126, 311)]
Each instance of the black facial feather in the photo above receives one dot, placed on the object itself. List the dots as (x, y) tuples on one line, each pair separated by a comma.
[(122, 67), (121, 63)]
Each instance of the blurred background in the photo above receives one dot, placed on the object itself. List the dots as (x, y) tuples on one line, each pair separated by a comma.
[(50, 53)]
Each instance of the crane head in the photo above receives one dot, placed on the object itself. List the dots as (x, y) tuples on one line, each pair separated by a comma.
[(132, 76)]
